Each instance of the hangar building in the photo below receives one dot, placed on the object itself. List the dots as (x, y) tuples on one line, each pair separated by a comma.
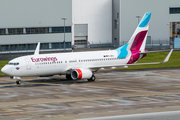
[(23, 23), (164, 23)]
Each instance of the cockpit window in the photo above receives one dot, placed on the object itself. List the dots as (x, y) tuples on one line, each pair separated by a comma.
[(13, 63), (16, 63)]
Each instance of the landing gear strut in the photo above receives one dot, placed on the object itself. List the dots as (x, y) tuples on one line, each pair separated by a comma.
[(68, 77), (93, 78)]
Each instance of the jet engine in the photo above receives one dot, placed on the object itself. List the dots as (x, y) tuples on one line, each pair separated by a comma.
[(81, 74)]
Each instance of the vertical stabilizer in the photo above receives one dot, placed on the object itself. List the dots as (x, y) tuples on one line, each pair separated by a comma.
[(137, 42), (138, 39), (37, 49)]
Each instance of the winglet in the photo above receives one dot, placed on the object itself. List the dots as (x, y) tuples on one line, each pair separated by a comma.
[(167, 57), (37, 49)]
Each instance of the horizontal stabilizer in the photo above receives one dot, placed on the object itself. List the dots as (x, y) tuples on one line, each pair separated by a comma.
[(165, 60), (153, 51)]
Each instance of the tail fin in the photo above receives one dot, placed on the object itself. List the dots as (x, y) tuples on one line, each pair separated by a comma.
[(138, 39)]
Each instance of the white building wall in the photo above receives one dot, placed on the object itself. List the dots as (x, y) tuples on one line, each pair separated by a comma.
[(160, 19), (35, 13), (98, 15)]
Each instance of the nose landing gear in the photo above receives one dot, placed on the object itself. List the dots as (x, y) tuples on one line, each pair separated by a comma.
[(18, 80)]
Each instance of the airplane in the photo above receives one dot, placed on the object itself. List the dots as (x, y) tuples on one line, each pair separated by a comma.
[(83, 65)]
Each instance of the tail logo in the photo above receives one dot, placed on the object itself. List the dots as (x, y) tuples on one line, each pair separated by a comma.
[(138, 40), (17, 68)]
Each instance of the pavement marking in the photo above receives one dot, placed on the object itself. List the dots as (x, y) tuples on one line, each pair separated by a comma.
[(105, 87), (118, 78), (171, 106), (23, 119), (116, 111), (152, 85), (135, 84), (10, 85), (35, 83), (140, 76), (144, 109), (131, 116), (87, 113), (23, 113)]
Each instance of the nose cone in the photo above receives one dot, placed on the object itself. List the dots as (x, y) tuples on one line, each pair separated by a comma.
[(4, 70)]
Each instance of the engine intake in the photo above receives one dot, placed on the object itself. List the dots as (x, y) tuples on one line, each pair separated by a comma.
[(81, 74)]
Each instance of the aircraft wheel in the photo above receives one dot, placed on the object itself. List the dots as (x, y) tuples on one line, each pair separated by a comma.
[(93, 78), (18, 82)]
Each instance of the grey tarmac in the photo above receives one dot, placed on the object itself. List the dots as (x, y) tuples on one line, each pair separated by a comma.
[(114, 93)]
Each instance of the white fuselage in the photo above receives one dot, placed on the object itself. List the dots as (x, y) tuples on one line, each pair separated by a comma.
[(60, 63)]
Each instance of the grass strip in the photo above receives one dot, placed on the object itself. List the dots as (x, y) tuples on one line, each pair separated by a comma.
[(2, 64)]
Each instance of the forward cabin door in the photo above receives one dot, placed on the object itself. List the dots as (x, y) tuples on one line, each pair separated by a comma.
[(28, 64)]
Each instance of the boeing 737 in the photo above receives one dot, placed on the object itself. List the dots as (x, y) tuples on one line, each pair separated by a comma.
[(83, 65)]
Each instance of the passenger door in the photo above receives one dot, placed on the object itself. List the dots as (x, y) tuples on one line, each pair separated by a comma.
[(28, 64)]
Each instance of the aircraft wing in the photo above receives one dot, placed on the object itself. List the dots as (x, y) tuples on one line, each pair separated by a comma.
[(124, 65)]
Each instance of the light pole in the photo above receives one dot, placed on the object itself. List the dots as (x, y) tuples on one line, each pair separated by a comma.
[(138, 19), (64, 31)]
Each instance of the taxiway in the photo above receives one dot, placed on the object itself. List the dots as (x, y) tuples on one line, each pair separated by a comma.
[(114, 93)]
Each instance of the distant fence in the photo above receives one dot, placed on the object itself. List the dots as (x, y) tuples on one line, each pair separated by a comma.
[(153, 44), (102, 45), (159, 44)]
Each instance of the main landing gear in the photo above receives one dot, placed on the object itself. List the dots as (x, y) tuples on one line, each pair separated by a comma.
[(93, 78), (68, 77)]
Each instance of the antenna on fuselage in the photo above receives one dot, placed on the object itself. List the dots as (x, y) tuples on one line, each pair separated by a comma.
[(37, 49)]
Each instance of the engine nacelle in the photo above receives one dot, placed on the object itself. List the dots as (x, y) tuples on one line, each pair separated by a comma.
[(81, 74)]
